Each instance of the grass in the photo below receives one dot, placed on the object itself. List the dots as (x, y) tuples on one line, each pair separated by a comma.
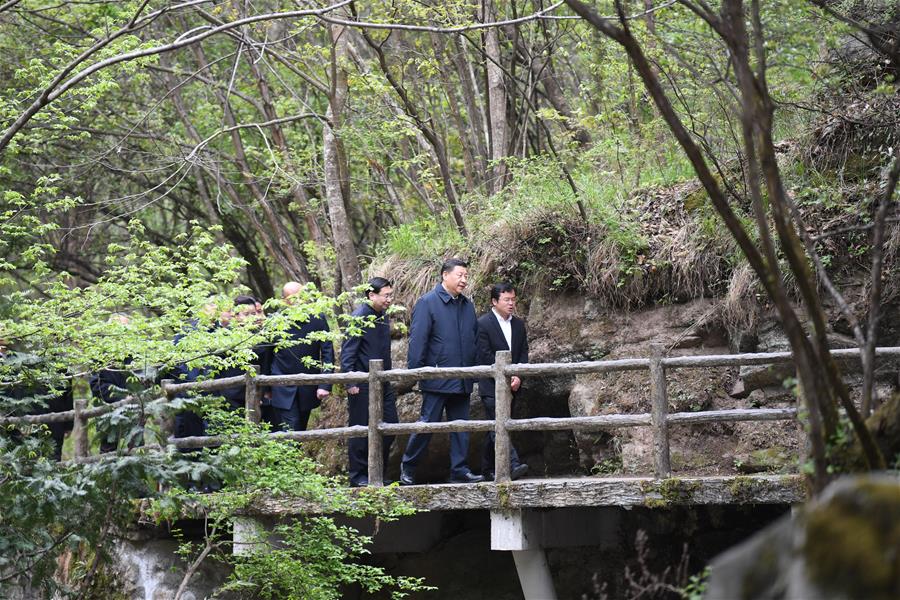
[(651, 234)]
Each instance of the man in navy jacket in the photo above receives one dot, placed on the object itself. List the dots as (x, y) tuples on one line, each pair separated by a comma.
[(500, 329), (292, 404), (356, 352), (443, 333)]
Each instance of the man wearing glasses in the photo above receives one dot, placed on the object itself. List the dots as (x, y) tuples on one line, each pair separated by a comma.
[(356, 352)]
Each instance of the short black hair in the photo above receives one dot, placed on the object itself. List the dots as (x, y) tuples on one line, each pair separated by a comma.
[(245, 299), (452, 263), (501, 288), (377, 283)]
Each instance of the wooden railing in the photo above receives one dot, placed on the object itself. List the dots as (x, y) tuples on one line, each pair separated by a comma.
[(659, 418)]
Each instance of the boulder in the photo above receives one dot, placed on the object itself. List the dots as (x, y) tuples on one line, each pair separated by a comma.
[(845, 544)]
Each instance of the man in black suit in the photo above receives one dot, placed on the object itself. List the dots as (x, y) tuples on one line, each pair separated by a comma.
[(499, 329), (292, 404), (356, 352)]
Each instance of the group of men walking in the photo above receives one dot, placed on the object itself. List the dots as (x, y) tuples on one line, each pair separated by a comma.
[(444, 333)]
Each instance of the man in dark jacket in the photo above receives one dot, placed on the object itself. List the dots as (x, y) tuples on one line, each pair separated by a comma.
[(443, 334), (45, 394), (292, 405), (187, 422), (356, 352), (499, 329), (246, 309), (110, 385)]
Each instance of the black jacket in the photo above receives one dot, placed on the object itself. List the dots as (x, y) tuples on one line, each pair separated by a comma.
[(289, 361), (491, 340), (373, 344)]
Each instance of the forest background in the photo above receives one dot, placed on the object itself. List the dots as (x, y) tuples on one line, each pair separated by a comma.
[(155, 155)]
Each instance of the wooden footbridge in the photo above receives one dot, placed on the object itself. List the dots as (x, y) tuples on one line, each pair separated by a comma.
[(515, 505)]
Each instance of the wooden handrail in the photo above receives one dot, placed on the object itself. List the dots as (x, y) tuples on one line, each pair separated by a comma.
[(659, 418)]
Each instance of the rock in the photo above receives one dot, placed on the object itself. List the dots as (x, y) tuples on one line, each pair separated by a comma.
[(772, 459), (845, 544)]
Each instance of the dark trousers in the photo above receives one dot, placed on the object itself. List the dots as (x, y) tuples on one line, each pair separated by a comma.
[(433, 405), (189, 424), (357, 448), (291, 419), (487, 454)]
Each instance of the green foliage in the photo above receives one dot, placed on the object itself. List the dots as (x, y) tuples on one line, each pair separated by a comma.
[(696, 587), (422, 238), (311, 556)]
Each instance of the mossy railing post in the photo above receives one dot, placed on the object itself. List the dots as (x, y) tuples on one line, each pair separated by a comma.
[(252, 398), (659, 412), (502, 406), (376, 416), (80, 445)]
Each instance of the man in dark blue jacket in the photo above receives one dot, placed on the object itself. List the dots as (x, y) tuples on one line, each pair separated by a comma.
[(356, 352), (246, 309), (443, 333), (292, 404)]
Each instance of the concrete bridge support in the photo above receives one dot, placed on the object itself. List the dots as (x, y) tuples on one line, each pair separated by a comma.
[(519, 531)]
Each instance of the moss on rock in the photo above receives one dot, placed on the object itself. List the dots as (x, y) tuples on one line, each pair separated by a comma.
[(853, 542)]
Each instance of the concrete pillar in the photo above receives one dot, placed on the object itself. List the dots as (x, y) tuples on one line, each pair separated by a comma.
[(534, 574), (246, 534), (520, 532)]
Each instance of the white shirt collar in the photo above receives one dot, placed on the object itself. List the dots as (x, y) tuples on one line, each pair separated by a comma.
[(500, 318)]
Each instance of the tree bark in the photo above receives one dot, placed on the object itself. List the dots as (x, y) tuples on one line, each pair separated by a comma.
[(335, 186), (496, 100)]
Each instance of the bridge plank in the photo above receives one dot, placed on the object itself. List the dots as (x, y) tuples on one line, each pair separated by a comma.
[(586, 491)]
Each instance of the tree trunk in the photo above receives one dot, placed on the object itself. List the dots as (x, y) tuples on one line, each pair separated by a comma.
[(348, 260), (496, 100)]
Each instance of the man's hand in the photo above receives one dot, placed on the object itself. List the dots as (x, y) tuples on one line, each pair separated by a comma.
[(353, 390), (322, 394), (515, 383)]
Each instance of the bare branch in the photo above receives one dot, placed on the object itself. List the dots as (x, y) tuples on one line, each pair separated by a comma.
[(459, 29), (259, 126), (876, 282), (57, 87)]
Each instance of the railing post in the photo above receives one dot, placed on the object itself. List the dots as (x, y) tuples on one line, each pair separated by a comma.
[(80, 445), (166, 421), (502, 408), (252, 399), (658, 413), (376, 416)]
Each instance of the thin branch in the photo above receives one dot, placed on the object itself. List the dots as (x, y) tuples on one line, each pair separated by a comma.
[(459, 29), (8, 5), (875, 294), (57, 87)]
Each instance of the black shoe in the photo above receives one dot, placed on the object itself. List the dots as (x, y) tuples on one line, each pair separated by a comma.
[(467, 477), (488, 475), (518, 471), (406, 477), (362, 482)]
